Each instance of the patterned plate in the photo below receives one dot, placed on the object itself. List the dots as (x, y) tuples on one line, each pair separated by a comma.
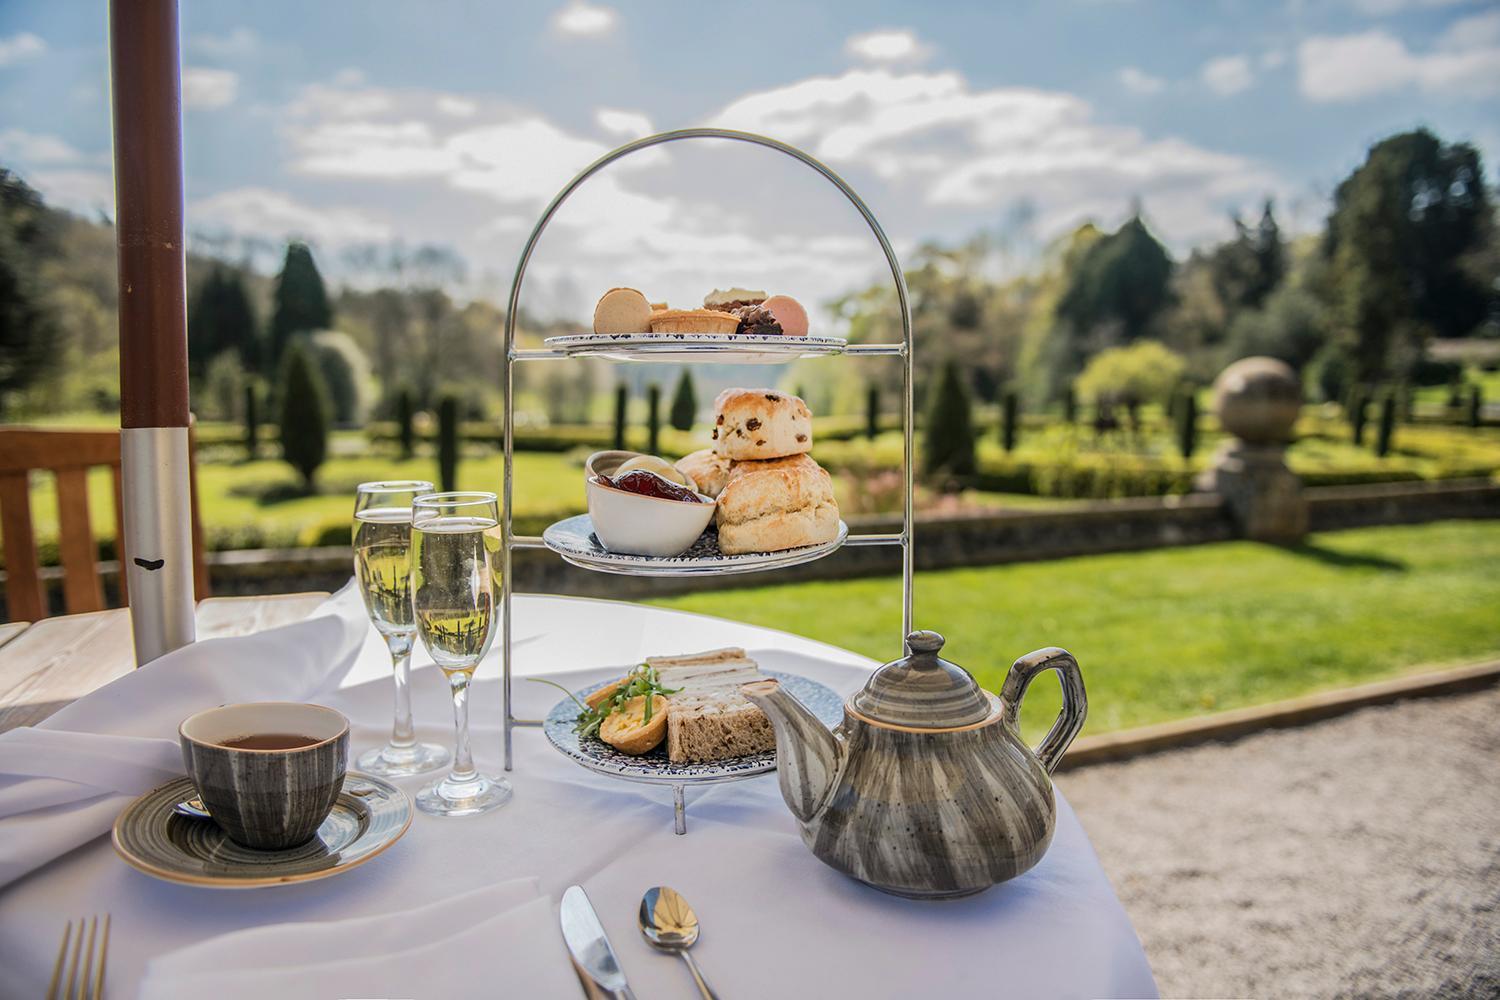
[(597, 755), (720, 348), (573, 538), (369, 816)]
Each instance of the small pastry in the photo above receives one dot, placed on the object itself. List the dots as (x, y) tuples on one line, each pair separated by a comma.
[(732, 299), (658, 306), (758, 321), (708, 470), (692, 321), (627, 730), (789, 313), (622, 310)]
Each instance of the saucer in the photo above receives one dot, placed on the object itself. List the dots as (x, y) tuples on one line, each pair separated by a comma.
[(574, 539), (369, 816)]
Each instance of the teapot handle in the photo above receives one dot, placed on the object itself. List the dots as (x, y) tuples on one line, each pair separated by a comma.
[(1075, 706)]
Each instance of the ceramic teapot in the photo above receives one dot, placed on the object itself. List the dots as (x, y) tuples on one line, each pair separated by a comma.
[(925, 789)]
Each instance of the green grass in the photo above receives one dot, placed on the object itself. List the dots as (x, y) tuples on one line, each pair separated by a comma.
[(1177, 632)]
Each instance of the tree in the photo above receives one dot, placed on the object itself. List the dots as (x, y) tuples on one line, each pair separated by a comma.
[(1144, 372), (252, 420), (219, 320), (1010, 419), (304, 414), (684, 403), (346, 373), (1293, 326), (1402, 227), (300, 300), (949, 443), (1121, 282), (27, 328), (1386, 429), (1187, 424), (1248, 267), (872, 411)]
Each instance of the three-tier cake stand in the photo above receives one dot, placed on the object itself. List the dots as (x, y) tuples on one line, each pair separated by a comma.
[(686, 349)]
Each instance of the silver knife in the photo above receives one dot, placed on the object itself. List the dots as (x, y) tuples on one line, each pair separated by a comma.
[(589, 944)]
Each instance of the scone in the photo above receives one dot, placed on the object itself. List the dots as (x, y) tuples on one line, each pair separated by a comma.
[(737, 469), (708, 470), (760, 423), (768, 510)]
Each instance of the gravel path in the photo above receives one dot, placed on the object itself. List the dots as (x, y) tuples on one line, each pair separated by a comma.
[(1355, 857)]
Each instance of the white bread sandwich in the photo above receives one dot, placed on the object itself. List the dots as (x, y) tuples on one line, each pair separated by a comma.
[(707, 717)]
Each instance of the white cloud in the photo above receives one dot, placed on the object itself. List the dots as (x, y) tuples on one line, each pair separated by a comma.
[(1464, 61), (456, 107), (932, 137), (891, 45), (33, 148), (586, 20), (79, 190), (253, 210), (206, 88), (20, 47), (626, 124), (1138, 81), (1273, 59), (240, 42), (1227, 75)]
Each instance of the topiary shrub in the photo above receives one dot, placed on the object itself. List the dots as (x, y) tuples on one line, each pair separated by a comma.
[(406, 411), (684, 403), (252, 420), (872, 412), (304, 414), (1070, 406), (1009, 420), (948, 446), (1476, 406), (653, 418), (1387, 428), (622, 405), (448, 443), (1355, 409), (1187, 424)]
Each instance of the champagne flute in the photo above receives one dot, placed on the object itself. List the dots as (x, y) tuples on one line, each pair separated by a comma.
[(454, 560), (382, 563)]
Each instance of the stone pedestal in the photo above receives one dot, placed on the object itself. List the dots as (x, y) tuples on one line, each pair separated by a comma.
[(1257, 400), (1264, 495)]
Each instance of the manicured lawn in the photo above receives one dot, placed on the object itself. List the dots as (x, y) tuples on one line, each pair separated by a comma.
[(1177, 632)]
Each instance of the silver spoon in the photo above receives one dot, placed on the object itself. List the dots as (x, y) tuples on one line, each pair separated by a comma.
[(669, 923)]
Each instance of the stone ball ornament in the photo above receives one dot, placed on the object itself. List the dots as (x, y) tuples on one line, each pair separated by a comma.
[(1258, 399)]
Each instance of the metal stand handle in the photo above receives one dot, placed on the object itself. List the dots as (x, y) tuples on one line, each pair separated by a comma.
[(511, 356)]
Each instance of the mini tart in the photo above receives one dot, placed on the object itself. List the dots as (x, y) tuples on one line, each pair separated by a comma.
[(693, 321), (607, 692), (627, 729)]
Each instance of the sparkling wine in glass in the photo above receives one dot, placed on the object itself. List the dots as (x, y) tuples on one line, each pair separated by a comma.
[(454, 559), (382, 564)]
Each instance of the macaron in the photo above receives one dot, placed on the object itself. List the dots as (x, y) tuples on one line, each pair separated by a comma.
[(622, 310), (789, 313)]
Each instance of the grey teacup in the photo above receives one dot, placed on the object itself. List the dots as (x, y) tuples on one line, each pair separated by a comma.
[(268, 799)]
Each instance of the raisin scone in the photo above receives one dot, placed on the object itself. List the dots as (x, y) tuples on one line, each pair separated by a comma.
[(754, 424), (769, 510), (708, 470)]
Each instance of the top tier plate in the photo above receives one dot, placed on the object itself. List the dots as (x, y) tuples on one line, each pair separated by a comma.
[(716, 348)]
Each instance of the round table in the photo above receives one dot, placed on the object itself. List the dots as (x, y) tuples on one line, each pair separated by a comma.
[(776, 921)]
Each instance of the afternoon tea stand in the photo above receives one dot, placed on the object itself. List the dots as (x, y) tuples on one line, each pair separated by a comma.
[(686, 349)]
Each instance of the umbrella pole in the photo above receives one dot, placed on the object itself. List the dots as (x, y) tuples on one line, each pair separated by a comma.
[(146, 89)]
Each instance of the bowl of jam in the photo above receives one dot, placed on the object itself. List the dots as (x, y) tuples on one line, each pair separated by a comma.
[(646, 514)]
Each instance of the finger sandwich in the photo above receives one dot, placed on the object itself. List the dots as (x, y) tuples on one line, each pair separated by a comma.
[(707, 717)]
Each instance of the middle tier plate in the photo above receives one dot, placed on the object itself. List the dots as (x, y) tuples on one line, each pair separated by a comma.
[(719, 348), (574, 540)]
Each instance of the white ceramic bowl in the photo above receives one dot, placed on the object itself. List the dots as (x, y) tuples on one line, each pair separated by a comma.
[(646, 526)]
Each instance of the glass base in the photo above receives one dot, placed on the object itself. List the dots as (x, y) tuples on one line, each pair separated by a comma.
[(467, 798), (401, 762)]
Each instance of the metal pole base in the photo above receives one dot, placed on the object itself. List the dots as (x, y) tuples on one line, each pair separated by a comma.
[(158, 538)]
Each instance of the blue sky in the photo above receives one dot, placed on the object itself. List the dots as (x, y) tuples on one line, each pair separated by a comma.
[(452, 123)]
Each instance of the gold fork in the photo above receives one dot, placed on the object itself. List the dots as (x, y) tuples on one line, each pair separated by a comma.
[(85, 972)]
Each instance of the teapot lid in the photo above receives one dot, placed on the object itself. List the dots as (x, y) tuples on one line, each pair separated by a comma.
[(922, 690)]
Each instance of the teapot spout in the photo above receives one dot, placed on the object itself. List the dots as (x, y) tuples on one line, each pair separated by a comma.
[(807, 754)]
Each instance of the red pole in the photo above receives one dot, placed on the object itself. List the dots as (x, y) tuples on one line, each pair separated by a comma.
[(147, 96)]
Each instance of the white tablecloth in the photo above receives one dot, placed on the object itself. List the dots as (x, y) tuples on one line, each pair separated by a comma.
[(776, 921)]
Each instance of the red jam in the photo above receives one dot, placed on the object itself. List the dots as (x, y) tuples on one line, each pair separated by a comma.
[(649, 484)]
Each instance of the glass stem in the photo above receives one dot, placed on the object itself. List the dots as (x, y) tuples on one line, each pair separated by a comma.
[(403, 734), (463, 764)]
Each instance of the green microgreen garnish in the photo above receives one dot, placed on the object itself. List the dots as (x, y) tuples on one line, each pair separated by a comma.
[(641, 682)]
